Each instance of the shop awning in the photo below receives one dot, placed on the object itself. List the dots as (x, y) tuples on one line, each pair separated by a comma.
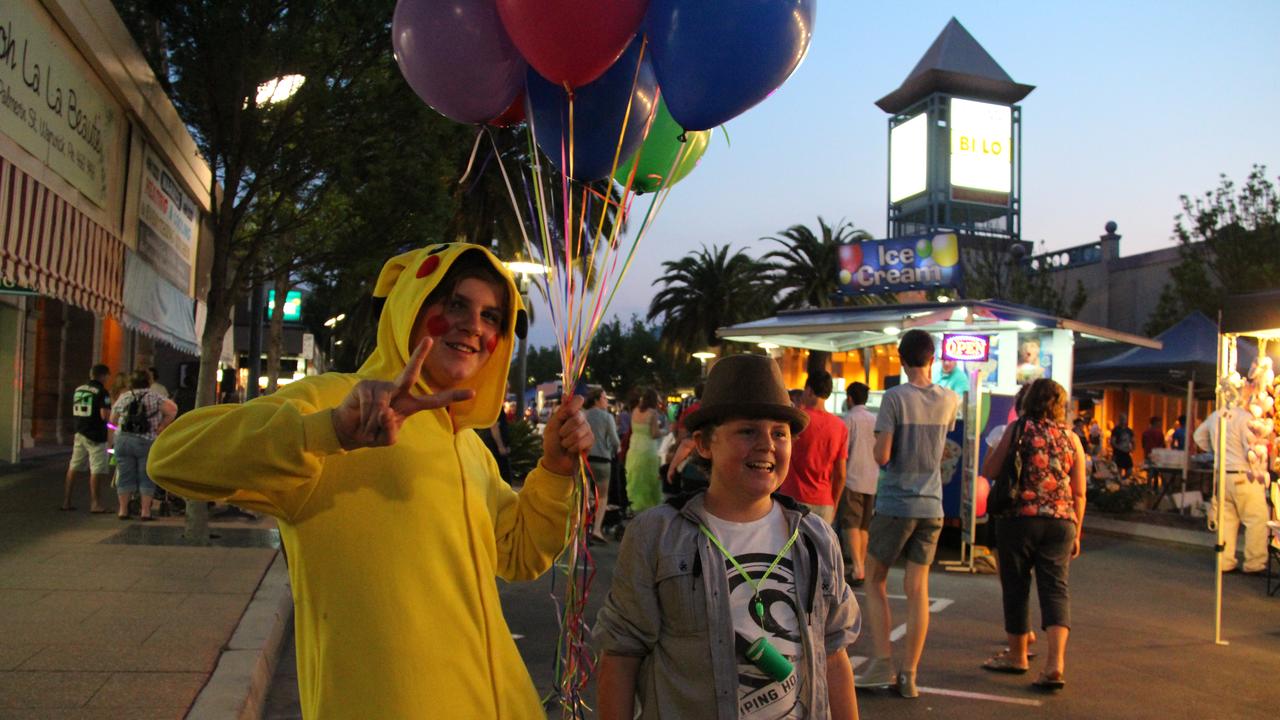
[(1190, 353), (155, 307), (850, 328), (46, 244)]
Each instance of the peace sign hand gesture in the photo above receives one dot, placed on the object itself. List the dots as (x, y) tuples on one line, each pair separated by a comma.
[(372, 413)]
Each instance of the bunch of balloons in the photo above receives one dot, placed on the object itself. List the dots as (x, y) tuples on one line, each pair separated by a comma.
[(624, 91), (590, 72)]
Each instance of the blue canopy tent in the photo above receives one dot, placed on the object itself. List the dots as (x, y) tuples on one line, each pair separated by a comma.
[(1189, 354)]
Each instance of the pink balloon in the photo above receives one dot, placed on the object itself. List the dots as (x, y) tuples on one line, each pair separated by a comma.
[(457, 57)]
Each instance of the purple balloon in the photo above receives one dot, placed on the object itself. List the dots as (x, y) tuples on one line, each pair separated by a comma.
[(457, 57)]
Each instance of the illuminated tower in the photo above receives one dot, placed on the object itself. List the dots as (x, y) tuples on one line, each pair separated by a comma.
[(955, 136)]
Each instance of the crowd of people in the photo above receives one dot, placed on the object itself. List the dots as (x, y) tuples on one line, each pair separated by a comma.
[(750, 514)]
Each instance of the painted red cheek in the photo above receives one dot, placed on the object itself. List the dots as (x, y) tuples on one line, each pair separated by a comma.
[(428, 266), (491, 344), (437, 325)]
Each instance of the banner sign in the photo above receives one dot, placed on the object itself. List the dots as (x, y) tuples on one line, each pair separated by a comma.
[(292, 305), (964, 347), (167, 221), (49, 103), (911, 262)]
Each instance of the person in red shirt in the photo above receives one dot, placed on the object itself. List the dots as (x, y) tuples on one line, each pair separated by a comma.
[(1152, 437), (818, 455)]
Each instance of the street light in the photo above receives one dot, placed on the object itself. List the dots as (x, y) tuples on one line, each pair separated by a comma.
[(703, 357), (332, 324), (278, 89), (524, 270)]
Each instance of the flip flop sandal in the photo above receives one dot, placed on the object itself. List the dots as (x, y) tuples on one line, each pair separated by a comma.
[(1002, 663), (1030, 653), (1049, 682)]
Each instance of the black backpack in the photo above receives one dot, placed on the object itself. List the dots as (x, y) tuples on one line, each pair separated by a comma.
[(135, 417)]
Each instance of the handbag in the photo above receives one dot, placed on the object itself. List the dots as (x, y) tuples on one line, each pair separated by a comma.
[(1007, 488)]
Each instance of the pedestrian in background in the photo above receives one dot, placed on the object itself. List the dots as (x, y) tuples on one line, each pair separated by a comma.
[(911, 433), (1243, 500), (816, 478), (604, 449), (140, 415), (156, 386), (644, 487), (1122, 445), (91, 407), (1041, 532), (857, 503)]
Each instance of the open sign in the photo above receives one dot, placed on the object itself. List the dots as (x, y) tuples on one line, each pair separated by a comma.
[(962, 347)]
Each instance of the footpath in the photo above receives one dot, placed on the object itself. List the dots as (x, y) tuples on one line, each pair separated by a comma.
[(103, 618)]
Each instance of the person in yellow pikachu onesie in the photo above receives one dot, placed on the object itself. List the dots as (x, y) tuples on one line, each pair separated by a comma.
[(393, 514)]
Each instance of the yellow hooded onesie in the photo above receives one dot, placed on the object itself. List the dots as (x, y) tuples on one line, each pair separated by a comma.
[(392, 551)]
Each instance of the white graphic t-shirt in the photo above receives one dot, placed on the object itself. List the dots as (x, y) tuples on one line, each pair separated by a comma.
[(755, 544)]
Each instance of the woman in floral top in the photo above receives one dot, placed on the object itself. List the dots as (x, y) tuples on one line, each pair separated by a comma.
[(1042, 531)]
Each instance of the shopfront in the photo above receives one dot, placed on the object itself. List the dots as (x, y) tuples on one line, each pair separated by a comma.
[(102, 195), (1022, 345)]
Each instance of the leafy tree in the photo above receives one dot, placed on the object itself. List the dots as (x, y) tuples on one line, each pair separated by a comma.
[(805, 271), (704, 291), (1228, 243), (284, 171), (1000, 271)]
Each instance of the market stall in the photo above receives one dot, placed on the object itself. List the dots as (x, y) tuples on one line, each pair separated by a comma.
[(1257, 393), (1023, 344), (1186, 368)]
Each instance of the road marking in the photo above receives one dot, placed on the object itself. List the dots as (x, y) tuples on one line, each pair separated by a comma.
[(936, 606), (980, 696)]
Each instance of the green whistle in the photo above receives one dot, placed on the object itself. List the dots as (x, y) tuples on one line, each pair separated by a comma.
[(768, 660)]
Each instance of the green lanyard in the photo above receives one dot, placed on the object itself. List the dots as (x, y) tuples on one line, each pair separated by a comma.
[(757, 603)]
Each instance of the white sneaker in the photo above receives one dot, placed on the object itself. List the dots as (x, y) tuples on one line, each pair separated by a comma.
[(877, 673)]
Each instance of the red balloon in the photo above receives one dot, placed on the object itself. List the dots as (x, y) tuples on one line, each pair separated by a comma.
[(981, 490), (571, 42), (512, 115)]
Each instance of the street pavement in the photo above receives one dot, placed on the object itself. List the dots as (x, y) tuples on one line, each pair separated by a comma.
[(1141, 644), (107, 619)]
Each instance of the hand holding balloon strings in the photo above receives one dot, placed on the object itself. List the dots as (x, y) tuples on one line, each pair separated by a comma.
[(373, 412), (566, 438)]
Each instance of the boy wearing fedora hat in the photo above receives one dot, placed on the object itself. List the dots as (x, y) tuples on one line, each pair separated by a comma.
[(731, 602)]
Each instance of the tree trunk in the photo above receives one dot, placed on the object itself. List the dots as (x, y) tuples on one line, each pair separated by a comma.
[(275, 341), (196, 531)]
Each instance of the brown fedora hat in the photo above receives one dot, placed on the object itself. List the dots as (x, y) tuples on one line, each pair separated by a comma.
[(746, 386)]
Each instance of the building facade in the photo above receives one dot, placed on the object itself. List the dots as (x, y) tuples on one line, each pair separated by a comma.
[(103, 201)]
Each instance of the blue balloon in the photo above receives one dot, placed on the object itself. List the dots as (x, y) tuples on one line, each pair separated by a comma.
[(599, 108), (715, 59)]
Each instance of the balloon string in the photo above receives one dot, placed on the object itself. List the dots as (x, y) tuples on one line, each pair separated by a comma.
[(511, 193), (474, 147)]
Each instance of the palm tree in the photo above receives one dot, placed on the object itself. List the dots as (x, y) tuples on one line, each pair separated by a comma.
[(805, 272), (704, 291)]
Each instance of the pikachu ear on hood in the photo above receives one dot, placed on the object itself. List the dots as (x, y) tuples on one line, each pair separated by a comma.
[(406, 281)]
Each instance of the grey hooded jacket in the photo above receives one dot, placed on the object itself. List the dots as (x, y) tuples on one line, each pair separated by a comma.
[(669, 604)]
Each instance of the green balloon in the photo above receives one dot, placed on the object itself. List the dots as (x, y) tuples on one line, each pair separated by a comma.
[(660, 150)]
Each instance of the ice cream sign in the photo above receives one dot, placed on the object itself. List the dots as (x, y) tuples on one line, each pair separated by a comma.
[(963, 347), (907, 263)]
